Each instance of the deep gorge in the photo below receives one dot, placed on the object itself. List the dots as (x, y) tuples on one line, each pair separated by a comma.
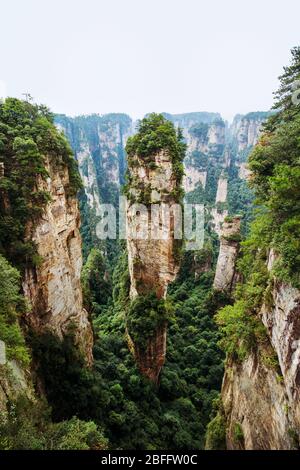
[(141, 344)]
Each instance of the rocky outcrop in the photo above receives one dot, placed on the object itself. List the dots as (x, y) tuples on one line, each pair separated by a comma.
[(53, 287), (256, 406), (264, 399), (98, 143), (218, 217), (152, 255), (151, 359), (244, 172), (245, 129), (229, 247), (192, 178), (152, 263), (14, 381), (221, 190), (281, 317)]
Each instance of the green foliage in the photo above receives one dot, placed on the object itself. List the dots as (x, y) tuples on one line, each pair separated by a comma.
[(286, 109), (239, 324), (274, 164), (240, 329), (200, 131), (12, 304), (238, 435), (27, 137), (26, 425), (216, 433), (156, 133), (95, 283), (240, 199), (145, 315), (234, 237), (134, 413)]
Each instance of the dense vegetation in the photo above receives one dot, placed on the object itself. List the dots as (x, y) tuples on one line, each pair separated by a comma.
[(27, 138), (12, 305), (29, 145), (132, 411), (90, 138), (27, 425), (274, 164), (155, 133), (112, 405), (112, 399)]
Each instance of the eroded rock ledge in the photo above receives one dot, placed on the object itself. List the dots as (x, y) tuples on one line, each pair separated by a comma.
[(53, 287)]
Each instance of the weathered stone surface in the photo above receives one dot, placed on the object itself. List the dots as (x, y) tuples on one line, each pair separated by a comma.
[(53, 288), (152, 359), (266, 405), (246, 130), (192, 177), (229, 247), (281, 316), (98, 143), (221, 190), (254, 398), (152, 262), (14, 381), (244, 172)]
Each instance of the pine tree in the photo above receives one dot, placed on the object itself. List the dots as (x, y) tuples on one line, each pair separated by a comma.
[(286, 97)]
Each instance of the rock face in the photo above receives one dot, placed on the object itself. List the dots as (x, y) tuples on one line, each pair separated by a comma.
[(282, 321), (222, 190), (264, 401), (281, 317), (151, 360), (98, 143), (256, 403), (229, 248), (14, 381), (246, 129), (192, 178), (153, 263), (53, 288)]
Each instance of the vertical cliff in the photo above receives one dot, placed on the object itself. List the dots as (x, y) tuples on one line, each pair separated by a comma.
[(261, 331), (263, 395), (228, 253), (39, 229), (244, 133), (215, 162), (98, 143), (53, 286), (155, 171)]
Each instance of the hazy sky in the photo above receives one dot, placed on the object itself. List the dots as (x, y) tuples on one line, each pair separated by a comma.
[(138, 56)]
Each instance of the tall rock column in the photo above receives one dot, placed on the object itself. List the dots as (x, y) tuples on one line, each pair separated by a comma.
[(229, 247), (53, 287), (155, 173)]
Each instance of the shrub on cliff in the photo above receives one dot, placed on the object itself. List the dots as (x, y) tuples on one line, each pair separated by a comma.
[(12, 304), (26, 425), (144, 317), (156, 133), (27, 136), (274, 164)]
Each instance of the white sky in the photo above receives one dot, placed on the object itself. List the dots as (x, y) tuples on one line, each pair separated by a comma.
[(138, 56)]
